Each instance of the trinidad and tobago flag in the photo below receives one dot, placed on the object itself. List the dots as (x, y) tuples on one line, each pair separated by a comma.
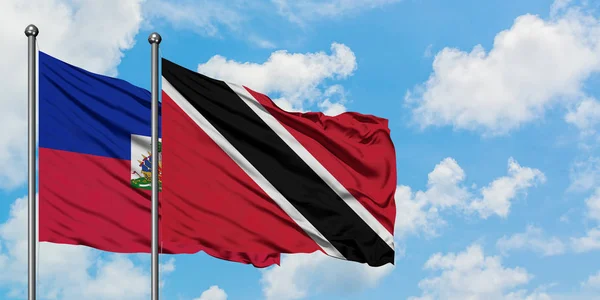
[(241, 179), (242, 175)]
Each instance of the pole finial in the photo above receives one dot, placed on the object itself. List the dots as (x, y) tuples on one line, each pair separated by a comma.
[(31, 30), (154, 38)]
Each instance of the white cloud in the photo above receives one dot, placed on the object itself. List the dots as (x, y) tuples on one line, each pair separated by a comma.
[(559, 6), (296, 78), (204, 16), (335, 98), (261, 42), (307, 10), (66, 271), (214, 18), (585, 174), (472, 275), (70, 30), (532, 239), (168, 266), (496, 196), (498, 91), (593, 282), (420, 211), (443, 185), (590, 242), (415, 214), (525, 295), (428, 51), (586, 116), (117, 279), (213, 293), (301, 275), (593, 205), (331, 109)]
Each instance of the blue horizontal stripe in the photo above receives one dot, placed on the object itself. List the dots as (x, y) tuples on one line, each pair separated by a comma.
[(87, 113)]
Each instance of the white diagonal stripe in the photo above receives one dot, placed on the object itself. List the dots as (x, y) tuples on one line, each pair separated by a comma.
[(238, 158), (314, 164)]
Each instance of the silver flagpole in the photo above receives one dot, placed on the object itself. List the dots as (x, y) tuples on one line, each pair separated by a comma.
[(31, 32), (154, 39)]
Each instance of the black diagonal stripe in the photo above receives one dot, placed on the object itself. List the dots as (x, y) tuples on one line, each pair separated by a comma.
[(280, 165)]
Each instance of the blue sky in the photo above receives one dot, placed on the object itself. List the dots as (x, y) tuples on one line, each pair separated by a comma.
[(493, 112)]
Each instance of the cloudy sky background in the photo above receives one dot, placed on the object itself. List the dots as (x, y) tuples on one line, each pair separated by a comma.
[(493, 110)]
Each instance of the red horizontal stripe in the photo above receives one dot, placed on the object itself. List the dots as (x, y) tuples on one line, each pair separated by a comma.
[(87, 200)]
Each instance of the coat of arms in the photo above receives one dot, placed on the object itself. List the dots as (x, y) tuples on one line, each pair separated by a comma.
[(141, 162)]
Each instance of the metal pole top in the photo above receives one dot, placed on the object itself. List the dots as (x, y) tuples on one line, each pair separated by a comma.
[(154, 38), (32, 30)]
